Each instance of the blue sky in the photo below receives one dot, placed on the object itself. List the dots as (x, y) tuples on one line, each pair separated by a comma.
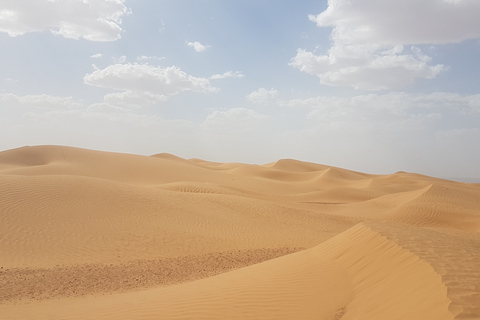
[(372, 86)]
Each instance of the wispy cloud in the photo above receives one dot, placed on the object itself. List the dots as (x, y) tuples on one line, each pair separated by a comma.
[(120, 59), (262, 95), (149, 58), (162, 26), (228, 74)]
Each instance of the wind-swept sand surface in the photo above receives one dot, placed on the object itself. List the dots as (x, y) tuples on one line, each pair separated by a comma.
[(96, 235)]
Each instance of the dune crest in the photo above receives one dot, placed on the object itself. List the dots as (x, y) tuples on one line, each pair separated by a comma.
[(88, 234)]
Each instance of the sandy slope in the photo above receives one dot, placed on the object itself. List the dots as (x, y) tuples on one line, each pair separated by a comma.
[(120, 236)]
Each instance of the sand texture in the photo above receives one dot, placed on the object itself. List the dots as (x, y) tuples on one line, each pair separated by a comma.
[(97, 235)]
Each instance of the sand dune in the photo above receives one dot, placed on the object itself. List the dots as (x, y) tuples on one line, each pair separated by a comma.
[(97, 235)]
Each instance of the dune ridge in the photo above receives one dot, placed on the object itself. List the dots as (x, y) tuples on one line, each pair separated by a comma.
[(452, 254), (342, 277), (88, 234)]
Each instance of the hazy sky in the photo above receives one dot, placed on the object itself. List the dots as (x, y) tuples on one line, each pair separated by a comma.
[(368, 85)]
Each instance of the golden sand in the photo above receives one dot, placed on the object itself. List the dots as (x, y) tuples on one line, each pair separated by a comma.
[(96, 235)]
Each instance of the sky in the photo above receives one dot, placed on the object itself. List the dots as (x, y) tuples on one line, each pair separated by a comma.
[(367, 85)]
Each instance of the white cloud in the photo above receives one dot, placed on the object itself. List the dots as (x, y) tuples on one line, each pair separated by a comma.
[(94, 20), (197, 46), (96, 56), (145, 84), (391, 22), (374, 41), (228, 74), (262, 95), (366, 67)]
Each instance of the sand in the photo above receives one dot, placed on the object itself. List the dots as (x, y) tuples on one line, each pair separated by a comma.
[(96, 235)]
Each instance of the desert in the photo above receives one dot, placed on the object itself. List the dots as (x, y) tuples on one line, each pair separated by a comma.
[(88, 234)]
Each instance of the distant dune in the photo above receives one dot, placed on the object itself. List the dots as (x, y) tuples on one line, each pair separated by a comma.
[(98, 235)]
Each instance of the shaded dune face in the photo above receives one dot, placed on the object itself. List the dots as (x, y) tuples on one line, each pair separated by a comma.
[(121, 236)]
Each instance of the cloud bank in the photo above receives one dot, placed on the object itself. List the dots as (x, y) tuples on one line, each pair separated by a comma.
[(406, 131)]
